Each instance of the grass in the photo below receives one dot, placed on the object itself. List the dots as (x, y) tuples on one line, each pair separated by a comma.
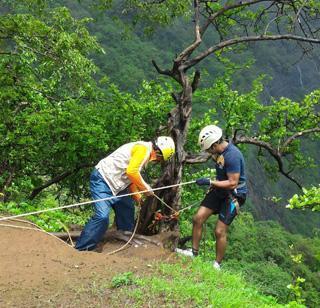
[(189, 284), (185, 283)]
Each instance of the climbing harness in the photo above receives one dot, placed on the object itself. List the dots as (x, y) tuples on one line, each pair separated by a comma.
[(158, 216)]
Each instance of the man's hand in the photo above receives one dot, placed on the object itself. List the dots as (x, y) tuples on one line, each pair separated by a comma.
[(203, 181), (149, 193), (137, 198)]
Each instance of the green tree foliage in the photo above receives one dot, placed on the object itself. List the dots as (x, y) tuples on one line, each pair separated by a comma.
[(277, 128), (310, 199), (150, 13), (55, 117), (44, 70)]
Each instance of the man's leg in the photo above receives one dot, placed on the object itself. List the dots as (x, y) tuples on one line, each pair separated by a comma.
[(228, 212), (124, 210), (198, 220), (98, 224), (221, 240)]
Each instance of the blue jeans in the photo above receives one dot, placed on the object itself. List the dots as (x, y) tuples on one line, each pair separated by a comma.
[(98, 224)]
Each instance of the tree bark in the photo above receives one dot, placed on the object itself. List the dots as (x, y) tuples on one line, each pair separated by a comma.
[(178, 123)]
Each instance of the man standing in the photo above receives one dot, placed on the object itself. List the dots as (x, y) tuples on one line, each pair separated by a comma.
[(226, 193), (111, 177)]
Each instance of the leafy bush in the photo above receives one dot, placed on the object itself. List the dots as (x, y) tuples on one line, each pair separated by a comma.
[(267, 276), (309, 200)]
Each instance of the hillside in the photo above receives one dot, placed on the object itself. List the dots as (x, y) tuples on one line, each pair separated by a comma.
[(77, 84), (44, 272)]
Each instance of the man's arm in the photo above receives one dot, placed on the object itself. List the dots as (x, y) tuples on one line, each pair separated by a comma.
[(134, 189), (230, 184), (139, 156), (233, 174)]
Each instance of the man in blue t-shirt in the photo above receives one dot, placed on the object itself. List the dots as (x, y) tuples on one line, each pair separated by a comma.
[(226, 194)]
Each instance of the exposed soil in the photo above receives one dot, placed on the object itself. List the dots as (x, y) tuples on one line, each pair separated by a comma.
[(38, 270)]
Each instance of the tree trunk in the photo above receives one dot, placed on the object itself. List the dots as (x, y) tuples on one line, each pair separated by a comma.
[(178, 123)]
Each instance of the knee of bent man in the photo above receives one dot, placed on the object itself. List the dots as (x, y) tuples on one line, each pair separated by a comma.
[(102, 219), (102, 210)]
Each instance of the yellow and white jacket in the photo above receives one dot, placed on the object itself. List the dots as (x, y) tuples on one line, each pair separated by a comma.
[(122, 167)]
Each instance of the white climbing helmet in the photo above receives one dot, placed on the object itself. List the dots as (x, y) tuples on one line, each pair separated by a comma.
[(166, 146), (208, 136)]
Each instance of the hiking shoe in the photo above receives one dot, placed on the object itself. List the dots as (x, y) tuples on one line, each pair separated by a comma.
[(216, 265), (186, 252), (98, 248)]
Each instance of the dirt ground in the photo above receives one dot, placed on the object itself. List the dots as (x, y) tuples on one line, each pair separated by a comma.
[(38, 270)]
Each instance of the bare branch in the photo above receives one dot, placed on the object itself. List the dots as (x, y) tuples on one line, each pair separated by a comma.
[(196, 80), (9, 53), (160, 71), (197, 158), (257, 142), (154, 2), (57, 179), (263, 12), (300, 134), (188, 51), (273, 152), (286, 174), (228, 8), (308, 26), (236, 133), (175, 97), (269, 23), (239, 40)]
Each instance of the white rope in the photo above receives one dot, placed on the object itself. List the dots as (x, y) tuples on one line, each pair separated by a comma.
[(34, 229), (168, 206), (128, 242), (35, 225), (92, 201), (24, 221), (188, 207)]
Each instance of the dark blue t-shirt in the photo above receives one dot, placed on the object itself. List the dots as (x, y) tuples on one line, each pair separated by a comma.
[(231, 161)]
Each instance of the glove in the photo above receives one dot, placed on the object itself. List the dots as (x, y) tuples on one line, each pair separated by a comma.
[(203, 181)]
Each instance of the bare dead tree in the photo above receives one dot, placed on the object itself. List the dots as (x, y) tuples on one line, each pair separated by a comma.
[(277, 20)]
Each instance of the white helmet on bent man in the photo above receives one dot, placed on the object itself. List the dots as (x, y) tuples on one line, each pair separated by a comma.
[(166, 146), (208, 136)]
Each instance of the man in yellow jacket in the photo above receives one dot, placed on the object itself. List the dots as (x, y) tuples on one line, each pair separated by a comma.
[(113, 176)]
